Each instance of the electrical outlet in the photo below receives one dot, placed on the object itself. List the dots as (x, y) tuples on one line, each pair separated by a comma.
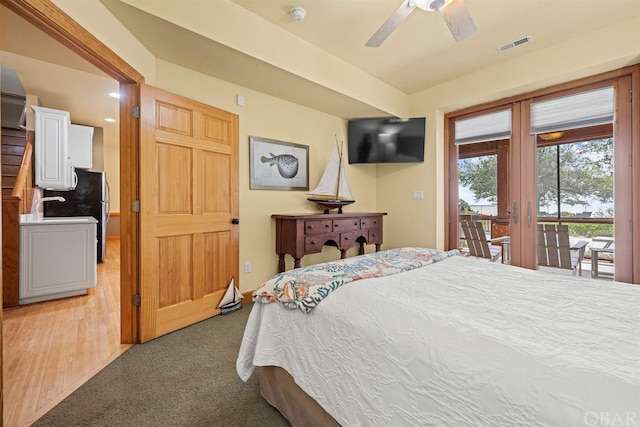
[(418, 195), (247, 267)]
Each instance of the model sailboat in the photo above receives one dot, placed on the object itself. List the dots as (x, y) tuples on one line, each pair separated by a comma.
[(231, 301), (333, 189)]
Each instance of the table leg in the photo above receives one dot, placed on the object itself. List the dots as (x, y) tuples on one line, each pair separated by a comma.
[(594, 263), (296, 262), (280, 263), (377, 247), (343, 254), (506, 253), (361, 249)]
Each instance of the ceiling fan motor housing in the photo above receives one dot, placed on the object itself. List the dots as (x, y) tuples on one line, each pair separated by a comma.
[(436, 4), (429, 5)]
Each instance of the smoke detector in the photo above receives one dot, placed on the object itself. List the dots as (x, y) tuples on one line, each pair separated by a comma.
[(298, 13)]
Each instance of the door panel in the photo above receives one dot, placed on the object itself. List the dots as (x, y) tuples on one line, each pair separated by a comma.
[(189, 194)]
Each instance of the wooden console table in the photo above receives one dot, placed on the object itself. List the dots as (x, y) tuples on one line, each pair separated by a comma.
[(299, 235)]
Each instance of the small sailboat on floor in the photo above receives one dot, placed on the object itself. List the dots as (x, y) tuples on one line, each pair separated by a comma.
[(333, 189), (232, 299)]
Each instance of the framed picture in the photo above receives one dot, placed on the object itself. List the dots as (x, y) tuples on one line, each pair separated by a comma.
[(278, 165)]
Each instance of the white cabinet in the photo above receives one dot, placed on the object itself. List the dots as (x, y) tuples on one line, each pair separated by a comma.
[(80, 146), (53, 168), (57, 258)]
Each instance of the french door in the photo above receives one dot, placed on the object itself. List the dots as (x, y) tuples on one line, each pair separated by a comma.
[(520, 146)]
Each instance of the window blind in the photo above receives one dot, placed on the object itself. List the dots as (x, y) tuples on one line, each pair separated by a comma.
[(488, 127), (584, 109)]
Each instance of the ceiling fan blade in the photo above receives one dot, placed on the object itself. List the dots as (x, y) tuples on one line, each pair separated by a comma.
[(390, 24), (458, 19)]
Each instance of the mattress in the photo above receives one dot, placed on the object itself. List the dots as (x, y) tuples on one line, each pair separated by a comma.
[(461, 342)]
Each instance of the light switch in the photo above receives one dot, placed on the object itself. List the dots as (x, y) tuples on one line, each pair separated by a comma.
[(240, 100), (418, 195)]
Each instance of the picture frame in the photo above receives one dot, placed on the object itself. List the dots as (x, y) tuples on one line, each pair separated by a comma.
[(278, 165)]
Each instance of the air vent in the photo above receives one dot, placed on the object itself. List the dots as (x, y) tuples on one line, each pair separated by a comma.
[(514, 43)]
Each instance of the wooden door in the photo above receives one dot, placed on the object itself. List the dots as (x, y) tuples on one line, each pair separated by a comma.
[(188, 198)]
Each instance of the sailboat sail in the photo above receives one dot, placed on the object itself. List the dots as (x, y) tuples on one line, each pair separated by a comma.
[(231, 299), (333, 185)]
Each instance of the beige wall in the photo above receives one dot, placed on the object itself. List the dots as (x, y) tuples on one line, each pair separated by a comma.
[(606, 49), (386, 188)]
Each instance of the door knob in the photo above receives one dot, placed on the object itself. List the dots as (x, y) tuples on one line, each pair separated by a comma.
[(235, 221)]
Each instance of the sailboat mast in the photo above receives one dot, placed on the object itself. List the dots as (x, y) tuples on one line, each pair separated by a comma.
[(339, 146)]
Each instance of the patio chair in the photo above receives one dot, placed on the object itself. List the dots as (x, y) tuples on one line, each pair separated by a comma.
[(479, 245), (554, 249)]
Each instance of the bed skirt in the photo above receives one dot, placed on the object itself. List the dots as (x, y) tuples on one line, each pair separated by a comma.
[(279, 389)]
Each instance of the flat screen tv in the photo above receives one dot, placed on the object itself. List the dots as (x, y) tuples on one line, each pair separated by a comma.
[(386, 140)]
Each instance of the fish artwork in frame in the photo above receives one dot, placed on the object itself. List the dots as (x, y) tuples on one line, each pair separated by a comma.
[(278, 165)]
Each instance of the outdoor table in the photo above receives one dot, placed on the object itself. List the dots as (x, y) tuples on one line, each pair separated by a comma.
[(595, 253)]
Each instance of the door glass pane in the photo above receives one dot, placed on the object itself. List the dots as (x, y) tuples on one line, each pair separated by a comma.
[(576, 179), (478, 192), (478, 185)]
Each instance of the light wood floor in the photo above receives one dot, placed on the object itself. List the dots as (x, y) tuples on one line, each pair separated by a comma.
[(51, 348)]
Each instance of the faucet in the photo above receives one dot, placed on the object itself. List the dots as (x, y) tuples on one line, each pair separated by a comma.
[(35, 211)]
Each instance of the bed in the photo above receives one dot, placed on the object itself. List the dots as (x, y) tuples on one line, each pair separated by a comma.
[(415, 336)]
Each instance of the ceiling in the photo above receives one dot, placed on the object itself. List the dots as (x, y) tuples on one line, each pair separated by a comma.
[(60, 78), (419, 54)]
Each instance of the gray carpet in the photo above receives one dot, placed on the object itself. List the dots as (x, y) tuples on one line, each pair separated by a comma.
[(185, 378)]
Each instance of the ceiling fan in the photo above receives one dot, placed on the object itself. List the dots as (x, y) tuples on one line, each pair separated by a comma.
[(454, 12)]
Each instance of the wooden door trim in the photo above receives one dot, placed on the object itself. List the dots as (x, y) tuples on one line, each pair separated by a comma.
[(623, 179), (635, 189), (129, 220), (46, 16)]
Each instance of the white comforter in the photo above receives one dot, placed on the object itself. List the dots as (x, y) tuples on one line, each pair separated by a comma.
[(463, 342)]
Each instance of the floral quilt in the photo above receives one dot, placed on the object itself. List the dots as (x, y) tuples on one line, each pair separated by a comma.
[(306, 287)]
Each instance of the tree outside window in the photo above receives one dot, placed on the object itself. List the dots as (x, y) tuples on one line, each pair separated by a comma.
[(576, 179)]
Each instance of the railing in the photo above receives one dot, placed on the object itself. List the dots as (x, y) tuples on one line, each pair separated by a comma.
[(575, 220), (487, 220), (21, 188), (12, 206)]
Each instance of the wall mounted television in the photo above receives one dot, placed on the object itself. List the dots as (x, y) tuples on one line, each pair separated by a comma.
[(386, 140)]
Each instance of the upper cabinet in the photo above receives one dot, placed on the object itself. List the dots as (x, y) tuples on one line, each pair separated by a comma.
[(53, 168), (80, 143), (60, 147)]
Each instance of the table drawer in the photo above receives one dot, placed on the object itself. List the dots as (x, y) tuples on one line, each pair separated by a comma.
[(313, 244), (317, 227), (374, 237), (369, 223), (346, 224), (348, 239)]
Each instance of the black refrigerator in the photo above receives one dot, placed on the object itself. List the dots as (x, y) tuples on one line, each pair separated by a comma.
[(90, 198)]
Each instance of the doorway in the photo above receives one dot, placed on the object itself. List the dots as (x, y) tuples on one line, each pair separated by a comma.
[(91, 337)]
